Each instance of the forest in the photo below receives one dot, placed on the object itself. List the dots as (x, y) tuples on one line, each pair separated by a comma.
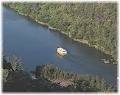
[(91, 23), (48, 78)]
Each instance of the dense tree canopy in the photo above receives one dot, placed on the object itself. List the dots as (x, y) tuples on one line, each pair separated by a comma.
[(45, 76), (94, 22)]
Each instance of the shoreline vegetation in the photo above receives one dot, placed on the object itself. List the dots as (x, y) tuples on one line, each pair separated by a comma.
[(108, 46), (48, 78)]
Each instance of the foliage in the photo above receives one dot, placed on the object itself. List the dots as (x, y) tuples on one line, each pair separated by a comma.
[(94, 22), (12, 62), (5, 74), (80, 83), (51, 72), (21, 81), (91, 84)]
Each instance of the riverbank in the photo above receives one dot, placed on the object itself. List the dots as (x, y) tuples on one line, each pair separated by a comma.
[(55, 29), (77, 40), (49, 78)]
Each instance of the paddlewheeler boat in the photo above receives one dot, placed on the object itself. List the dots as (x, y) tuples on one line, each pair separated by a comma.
[(61, 51)]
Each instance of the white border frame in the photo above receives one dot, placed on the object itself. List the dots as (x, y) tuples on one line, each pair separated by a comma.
[(56, 1)]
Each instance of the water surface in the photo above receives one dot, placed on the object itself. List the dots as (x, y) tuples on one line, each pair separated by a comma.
[(37, 45)]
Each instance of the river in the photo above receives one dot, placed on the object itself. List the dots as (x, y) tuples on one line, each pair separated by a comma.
[(37, 45)]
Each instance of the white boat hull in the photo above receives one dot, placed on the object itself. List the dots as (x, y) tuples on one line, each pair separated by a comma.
[(61, 51)]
